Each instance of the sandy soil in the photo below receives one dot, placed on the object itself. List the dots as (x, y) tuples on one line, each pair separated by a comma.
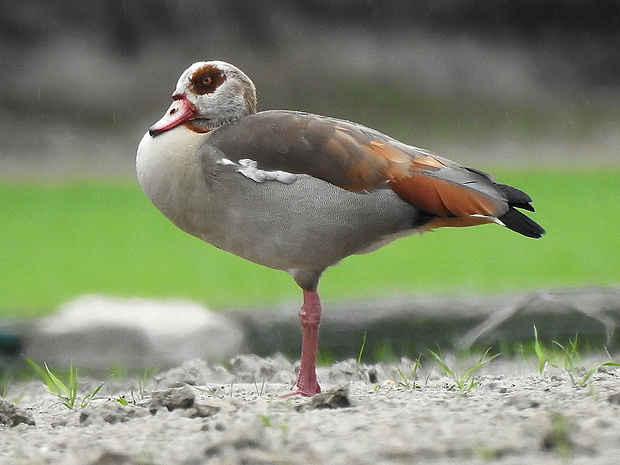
[(199, 413)]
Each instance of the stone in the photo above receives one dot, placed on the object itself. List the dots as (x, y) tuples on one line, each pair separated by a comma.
[(12, 415), (99, 332)]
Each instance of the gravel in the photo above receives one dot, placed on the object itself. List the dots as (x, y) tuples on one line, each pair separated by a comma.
[(198, 413)]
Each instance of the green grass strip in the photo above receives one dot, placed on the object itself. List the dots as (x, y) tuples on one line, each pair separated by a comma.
[(59, 241)]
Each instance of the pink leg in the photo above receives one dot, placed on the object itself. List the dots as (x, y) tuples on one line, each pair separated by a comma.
[(310, 318)]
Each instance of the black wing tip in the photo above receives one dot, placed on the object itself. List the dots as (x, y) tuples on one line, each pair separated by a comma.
[(523, 224), (524, 206), (513, 218), (514, 195)]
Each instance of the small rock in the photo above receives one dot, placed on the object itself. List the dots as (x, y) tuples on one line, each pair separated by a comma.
[(334, 398), (172, 399), (523, 402), (608, 369), (12, 415), (205, 410), (111, 412), (614, 398)]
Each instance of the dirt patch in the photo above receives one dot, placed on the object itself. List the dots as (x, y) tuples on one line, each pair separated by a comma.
[(199, 413)]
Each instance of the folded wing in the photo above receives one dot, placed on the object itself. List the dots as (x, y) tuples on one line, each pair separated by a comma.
[(360, 159)]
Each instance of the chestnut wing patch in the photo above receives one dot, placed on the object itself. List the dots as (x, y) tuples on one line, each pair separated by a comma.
[(437, 185), (446, 189)]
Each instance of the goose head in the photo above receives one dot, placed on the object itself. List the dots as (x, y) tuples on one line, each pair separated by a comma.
[(209, 94)]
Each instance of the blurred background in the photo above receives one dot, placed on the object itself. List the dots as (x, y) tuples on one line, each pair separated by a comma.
[(528, 90), (508, 81)]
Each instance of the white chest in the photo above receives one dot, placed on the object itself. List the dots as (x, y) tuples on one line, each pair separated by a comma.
[(169, 171)]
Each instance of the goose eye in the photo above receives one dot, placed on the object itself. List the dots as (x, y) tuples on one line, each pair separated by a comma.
[(206, 80)]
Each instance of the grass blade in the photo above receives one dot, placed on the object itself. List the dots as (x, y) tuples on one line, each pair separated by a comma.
[(60, 386), (42, 373), (361, 352)]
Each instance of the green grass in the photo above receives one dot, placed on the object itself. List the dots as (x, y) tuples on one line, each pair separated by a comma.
[(65, 391), (567, 357), (464, 378), (59, 241)]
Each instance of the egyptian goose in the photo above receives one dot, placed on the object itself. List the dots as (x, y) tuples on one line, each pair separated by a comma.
[(299, 192)]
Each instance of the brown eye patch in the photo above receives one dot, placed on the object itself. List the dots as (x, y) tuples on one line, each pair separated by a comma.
[(206, 79)]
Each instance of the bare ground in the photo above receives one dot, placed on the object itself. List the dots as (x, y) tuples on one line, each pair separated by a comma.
[(199, 413)]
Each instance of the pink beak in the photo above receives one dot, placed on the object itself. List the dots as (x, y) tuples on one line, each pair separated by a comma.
[(180, 111)]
